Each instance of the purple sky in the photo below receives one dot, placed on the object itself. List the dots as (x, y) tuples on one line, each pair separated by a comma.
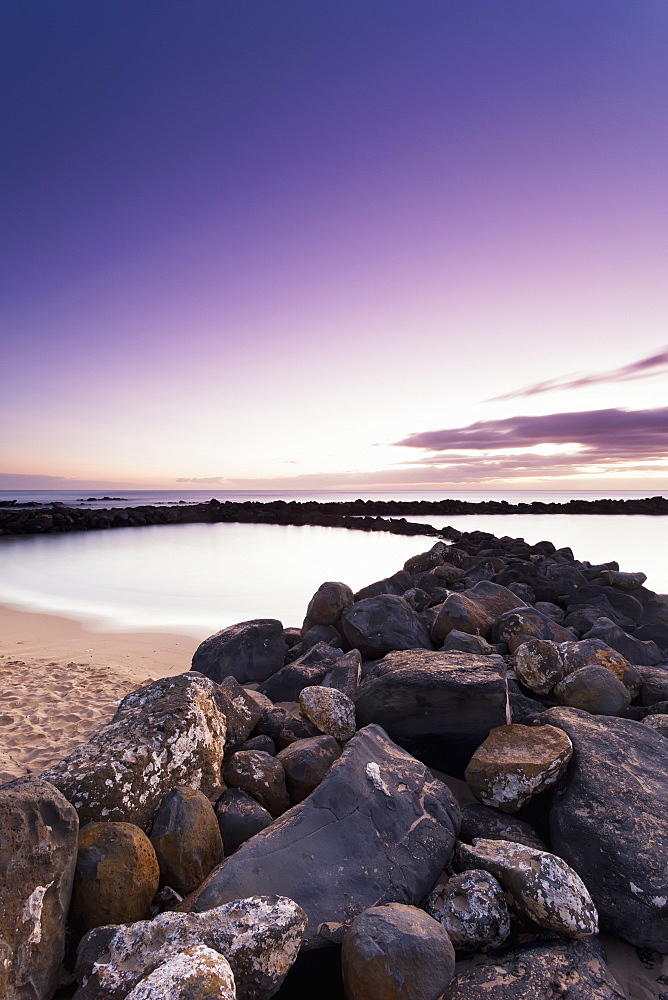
[(300, 244)]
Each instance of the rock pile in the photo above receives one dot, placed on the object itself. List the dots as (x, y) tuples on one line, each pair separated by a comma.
[(268, 823)]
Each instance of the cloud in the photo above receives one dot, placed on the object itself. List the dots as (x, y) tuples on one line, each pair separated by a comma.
[(655, 364), (204, 480)]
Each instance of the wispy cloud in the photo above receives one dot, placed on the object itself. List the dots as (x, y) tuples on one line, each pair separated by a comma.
[(655, 364)]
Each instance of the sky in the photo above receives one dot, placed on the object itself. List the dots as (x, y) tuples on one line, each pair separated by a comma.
[(370, 243)]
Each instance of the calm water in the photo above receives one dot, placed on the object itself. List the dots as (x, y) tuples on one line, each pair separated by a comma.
[(197, 578)]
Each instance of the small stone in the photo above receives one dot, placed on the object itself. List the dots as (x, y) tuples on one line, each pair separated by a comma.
[(197, 973), (464, 642), (596, 653), (326, 605), (542, 886), (515, 762), (472, 908), (479, 821), (306, 763), (332, 711), (116, 878), (539, 665), (186, 839), (659, 723), (240, 817), (396, 952), (262, 776), (593, 689)]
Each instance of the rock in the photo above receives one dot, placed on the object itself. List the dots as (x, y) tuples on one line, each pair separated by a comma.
[(378, 625), (308, 669), (427, 560), (515, 762), (306, 763), (552, 611), (261, 776), (417, 598), (526, 593), (634, 650), (659, 723), (627, 582), (330, 710), (326, 605), (249, 651), (516, 627), (320, 633), (197, 973), (608, 821), (377, 829), (606, 602), (440, 705), (38, 849), (259, 937), (472, 908), (171, 732), (396, 952), (539, 665), (542, 885), (654, 684), (285, 727), (264, 743), (593, 689), (345, 673), (593, 653), (240, 817), (570, 970), (186, 839), (165, 899), (116, 877), (474, 610), (482, 821), (395, 584), (464, 642), (448, 574), (242, 712)]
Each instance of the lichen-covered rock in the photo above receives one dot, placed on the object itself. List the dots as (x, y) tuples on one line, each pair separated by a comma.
[(116, 877), (543, 887), (484, 822), (326, 605), (539, 665), (242, 712), (396, 952), (659, 723), (378, 829), (380, 624), (306, 763), (38, 849), (171, 732), (608, 821), (249, 651), (596, 653), (516, 627), (515, 762), (472, 908), (474, 610), (330, 710), (197, 973), (240, 817), (569, 970), (593, 689), (260, 938), (186, 838), (260, 775), (285, 725)]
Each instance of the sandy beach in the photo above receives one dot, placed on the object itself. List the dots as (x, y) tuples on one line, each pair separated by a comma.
[(60, 681)]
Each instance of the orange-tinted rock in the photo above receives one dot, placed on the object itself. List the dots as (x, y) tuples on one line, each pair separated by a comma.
[(596, 653), (186, 838), (593, 689)]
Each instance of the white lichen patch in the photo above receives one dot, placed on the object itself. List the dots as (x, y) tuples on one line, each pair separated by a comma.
[(372, 772), (32, 912), (332, 711), (196, 971)]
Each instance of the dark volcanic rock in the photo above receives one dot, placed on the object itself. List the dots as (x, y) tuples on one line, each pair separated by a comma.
[(396, 584), (635, 650), (260, 775), (516, 627), (378, 625), (576, 969), (171, 732), (472, 907), (306, 763), (249, 651), (326, 605), (594, 689), (378, 829), (308, 669), (186, 839), (474, 610), (439, 705), (240, 817), (38, 850), (654, 684), (285, 726), (482, 821), (608, 821)]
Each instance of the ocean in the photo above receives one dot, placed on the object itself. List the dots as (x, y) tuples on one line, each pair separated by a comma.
[(198, 578)]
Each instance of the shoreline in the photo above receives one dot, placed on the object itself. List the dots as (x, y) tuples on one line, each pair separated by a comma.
[(61, 680)]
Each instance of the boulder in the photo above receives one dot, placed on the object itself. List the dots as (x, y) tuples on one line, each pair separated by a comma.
[(260, 775), (240, 817), (306, 763), (396, 952), (515, 762), (264, 743), (377, 829), (448, 574), (658, 723), (249, 651), (596, 653), (465, 642), (285, 725), (378, 625), (440, 705), (417, 598), (474, 610), (116, 877), (608, 821), (542, 886), (593, 689), (38, 850), (330, 710), (654, 684), (395, 584), (539, 665), (242, 713), (516, 627), (326, 605), (472, 908), (427, 560), (489, 824), (627, 582), (197, 973), (171, 732), (606, 602), (310, 668), (552, 611), (345, 673), (634, 650), (260, 938), (186, 839), (570, 970)]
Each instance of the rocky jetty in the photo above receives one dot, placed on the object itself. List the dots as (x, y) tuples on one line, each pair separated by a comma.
[(288, 818)]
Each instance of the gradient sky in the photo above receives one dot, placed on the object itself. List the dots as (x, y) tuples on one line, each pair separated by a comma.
[(298, 244)]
